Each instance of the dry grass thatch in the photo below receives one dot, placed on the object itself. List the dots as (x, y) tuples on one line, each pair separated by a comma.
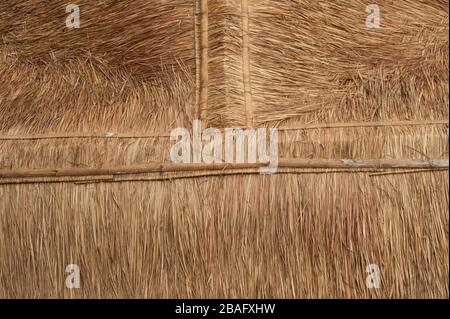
[(104, 98)]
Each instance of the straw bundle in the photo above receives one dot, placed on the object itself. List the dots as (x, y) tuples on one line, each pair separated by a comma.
[(85, 171)]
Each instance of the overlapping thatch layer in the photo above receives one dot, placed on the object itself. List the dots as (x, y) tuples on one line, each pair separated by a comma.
[(309, 235)]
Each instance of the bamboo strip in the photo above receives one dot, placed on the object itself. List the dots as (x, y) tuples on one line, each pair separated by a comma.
[(367, 163), (407, 171), (198, 58), (115, 135), (246, 63), (204, 62), (108, 135), (367, 124), (59, 180), (172, 167), (126, 170), (238, 172)]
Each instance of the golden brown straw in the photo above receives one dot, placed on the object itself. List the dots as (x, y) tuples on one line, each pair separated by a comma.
[(86, 176)]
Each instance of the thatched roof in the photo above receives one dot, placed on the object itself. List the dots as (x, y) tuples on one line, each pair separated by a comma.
[(85, 170)]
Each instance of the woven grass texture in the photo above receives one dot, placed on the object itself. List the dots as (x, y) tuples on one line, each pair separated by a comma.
[(86, 176)]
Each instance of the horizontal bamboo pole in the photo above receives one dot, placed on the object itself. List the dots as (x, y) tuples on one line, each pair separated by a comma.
[(172, 167), (116, 135), (367, 163), (125, 170), (367, 124), (86, 180), (406, 171), (371, 171), (56, 180), (101, 135)]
